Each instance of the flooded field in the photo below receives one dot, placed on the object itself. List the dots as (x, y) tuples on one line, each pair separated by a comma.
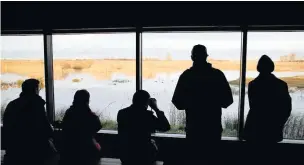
[(108, 96)]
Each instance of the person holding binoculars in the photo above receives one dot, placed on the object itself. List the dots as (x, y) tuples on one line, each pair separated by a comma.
[(135, 126)]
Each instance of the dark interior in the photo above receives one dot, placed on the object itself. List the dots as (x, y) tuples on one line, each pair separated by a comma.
[(65, 17)]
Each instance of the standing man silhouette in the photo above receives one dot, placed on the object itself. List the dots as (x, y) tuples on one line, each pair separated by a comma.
[(202, 91)]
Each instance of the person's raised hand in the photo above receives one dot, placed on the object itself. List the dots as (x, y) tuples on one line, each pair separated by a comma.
[(153, 104)]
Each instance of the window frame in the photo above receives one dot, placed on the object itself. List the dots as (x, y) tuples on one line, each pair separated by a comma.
[(244, 29)]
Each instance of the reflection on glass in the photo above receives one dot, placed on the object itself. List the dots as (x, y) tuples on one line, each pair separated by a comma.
[(286, 50), (21, 58), (167, 55), (104, 64)]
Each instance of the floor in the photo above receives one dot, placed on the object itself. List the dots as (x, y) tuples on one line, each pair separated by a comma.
[(104, 161), (109, 161)]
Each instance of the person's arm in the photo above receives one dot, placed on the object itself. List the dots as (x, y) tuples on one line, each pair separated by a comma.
[(287, 103), (120, 124), (179, 95), (250, 98), (161, 122), (225, 91), (96, 124), (47, 127), (7, 117), (64, 123), (8, 124)]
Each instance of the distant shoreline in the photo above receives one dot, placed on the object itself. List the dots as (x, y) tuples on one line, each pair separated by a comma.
[(295, 81), (103, 69)]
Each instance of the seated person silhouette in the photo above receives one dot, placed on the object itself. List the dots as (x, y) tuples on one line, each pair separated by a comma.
[(79, 126), (270, 105), (202, 91), (135, 125), (26, 129)]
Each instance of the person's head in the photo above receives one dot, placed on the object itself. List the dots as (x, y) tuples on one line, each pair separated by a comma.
[(81, 97), (30, 86), (141, 98), (265, 65), (199, 53)]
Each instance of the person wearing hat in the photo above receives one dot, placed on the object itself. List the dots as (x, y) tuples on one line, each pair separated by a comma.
[(270, 105), (26, 128), (202, 91)]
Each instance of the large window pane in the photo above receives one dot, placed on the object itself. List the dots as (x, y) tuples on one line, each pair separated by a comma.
[(104, 64), (167, 55), (21, 58), (287, 51)]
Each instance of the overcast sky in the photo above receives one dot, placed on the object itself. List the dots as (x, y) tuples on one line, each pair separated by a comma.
[(220, 45)]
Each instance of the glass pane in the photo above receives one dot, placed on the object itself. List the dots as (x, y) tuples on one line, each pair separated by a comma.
[(104, 64), (167, 55), (22, 57), (287, 51)]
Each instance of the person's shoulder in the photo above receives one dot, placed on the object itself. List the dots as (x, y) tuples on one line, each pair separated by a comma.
[(186, 72), (122, 114), (40, 100), (94, 116), (123, 111), (35, 99), (69, 110), (14, 103), (281, 82), (217, 72), (253, 82)]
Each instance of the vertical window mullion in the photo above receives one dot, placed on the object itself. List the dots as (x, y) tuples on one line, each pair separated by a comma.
[(138, 59), (242, 82), (49, 81)]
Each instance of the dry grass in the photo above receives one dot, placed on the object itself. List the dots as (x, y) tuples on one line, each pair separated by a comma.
[(296, 81), (103, 69), (76, 80), (18, 84), (29, 68)]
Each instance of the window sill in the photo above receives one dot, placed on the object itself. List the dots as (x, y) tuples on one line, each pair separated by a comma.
[(181, 136)]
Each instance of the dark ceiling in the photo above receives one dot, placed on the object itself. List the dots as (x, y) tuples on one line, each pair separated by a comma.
[(68, 15)]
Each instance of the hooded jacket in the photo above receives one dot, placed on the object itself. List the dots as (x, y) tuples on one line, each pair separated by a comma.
[(25, 125)]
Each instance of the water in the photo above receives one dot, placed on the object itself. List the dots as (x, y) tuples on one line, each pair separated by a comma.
[(109, 96)]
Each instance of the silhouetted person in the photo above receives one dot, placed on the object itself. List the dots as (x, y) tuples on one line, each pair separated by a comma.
[(202, 91), (135, 125), (270, 105), (26, 129), (79, 127)]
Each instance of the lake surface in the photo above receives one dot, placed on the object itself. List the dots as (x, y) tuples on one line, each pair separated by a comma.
[(109, 96)]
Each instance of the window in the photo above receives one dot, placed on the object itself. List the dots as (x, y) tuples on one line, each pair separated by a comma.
[(167, 55), (22, 57), (104, 64), (287, 52)]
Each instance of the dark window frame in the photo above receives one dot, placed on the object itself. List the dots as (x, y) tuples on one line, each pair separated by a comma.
[(48, 54)]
